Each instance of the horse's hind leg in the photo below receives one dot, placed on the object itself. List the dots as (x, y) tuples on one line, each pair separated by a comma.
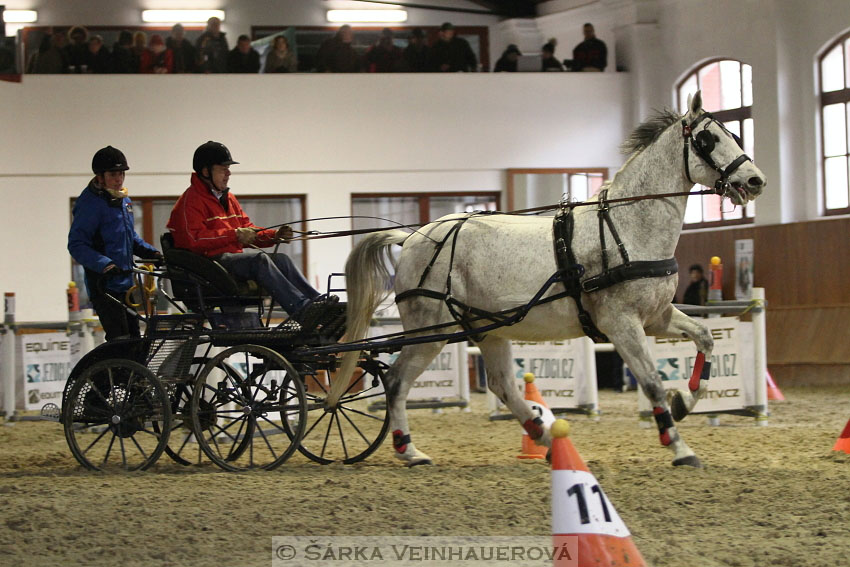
[(679, 325), (411, 362), (497, 361), (630, 341)]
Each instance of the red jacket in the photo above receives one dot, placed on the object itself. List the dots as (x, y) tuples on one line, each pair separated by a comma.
[(199, 223)]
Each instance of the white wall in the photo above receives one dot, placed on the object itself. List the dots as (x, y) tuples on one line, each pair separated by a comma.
[(324, 135)]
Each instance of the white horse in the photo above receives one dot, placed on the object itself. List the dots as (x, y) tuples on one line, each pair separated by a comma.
[(501, 261)]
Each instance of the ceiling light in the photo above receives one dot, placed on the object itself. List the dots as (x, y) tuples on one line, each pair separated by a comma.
[(20, 16), (367, 16), (180, 16)]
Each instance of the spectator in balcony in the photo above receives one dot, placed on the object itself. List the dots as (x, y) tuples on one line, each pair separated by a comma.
[(243, 58), (337, 55), (157, 58), (591, 54), (451, 54), (416, 52), (547, 58), (185, 54), (50, 57), (508, 61), (213, 48), (280, 59), (140, 45), (99, 59), (76, 52), (384, 56), (122, 54)]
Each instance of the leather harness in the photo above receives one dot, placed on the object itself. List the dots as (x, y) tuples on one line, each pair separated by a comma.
[(569, 273)]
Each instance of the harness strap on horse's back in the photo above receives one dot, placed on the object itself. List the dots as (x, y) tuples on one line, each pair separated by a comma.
[(571, 271)]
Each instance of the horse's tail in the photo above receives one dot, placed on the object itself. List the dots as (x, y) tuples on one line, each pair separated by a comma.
[(367, 281)]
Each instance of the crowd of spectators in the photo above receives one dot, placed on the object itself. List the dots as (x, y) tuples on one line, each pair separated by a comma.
[(134, 52)]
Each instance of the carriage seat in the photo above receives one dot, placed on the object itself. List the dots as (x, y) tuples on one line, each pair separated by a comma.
[(188, 270)]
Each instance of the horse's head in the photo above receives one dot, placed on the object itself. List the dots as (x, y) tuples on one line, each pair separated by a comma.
[(716, 157)]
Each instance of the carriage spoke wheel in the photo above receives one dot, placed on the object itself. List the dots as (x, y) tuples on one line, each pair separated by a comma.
[(117, 416), (353, 429), (239, 418), (183, 446)]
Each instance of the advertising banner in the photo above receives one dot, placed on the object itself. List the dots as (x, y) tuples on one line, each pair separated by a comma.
[(442, 378), (731, 385), (46, 362), (559, 371)]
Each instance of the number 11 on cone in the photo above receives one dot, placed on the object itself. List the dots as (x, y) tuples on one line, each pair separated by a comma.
[(580, 506)]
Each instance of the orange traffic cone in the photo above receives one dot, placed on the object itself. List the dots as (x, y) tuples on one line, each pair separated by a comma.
[(530, 449), (587, 531), (773, 391), (843, 443)]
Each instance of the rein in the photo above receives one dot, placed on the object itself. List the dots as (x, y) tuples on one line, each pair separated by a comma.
[(316, 235)]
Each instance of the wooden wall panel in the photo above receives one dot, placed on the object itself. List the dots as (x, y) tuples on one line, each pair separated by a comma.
[(805, 270), (798, 264)]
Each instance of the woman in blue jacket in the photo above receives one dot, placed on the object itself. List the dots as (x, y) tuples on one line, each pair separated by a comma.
[(103, 240)]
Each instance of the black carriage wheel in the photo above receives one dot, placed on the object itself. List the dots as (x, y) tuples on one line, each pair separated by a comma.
[(109, 416), (356, 427), (254, 420), (183, 447)]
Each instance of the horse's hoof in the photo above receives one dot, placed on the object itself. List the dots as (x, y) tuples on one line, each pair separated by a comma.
[(420, 462), (678, 409), (689, 461)]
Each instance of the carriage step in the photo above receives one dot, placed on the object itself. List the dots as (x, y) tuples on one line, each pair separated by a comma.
[(50, 412)]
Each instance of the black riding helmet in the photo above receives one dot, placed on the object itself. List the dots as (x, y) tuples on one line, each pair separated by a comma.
[(210, 154), (108, 159)]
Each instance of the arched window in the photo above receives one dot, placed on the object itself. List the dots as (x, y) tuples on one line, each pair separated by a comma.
[(727, 92), (835, 111)]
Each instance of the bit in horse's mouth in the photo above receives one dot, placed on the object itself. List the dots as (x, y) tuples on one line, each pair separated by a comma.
[(742, 195)]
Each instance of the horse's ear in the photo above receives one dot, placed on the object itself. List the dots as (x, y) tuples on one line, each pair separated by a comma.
[(695, 103)]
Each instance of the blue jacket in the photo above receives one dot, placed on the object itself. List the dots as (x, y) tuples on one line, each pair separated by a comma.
[(103, 233)]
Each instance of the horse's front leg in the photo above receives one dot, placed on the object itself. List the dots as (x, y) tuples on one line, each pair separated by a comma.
[(629, 339), (497, 361), (411, 362), (679, 325)]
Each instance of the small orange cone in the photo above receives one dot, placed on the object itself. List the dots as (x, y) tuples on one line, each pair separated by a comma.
[(773, 391), (530, 449), (843, 443), (586, 529)]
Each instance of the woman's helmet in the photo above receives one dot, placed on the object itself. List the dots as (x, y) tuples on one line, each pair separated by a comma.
[(108, 159)]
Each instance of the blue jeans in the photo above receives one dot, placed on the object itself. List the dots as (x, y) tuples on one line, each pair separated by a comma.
[(276, 274)]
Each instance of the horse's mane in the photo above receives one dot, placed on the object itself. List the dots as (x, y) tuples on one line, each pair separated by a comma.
[(649, 131)]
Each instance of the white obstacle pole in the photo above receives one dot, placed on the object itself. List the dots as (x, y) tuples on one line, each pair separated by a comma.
[(7, 356), (760, 354), (591, 383)]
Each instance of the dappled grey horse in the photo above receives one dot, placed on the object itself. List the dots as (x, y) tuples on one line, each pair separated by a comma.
[(616, 270)]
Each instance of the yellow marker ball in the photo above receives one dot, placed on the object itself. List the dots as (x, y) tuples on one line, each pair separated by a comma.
[(561, 428), (528, 377), (715, 260)]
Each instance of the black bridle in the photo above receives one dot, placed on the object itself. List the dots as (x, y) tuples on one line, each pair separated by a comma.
[(703, 144)]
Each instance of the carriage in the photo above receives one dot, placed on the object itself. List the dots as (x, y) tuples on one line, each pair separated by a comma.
[(607, 271), (214, 380)]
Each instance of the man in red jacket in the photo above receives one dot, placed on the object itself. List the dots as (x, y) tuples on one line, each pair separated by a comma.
[(208, 220)]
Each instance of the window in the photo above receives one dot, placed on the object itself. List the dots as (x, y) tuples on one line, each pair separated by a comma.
[(531, 188), (835, 113), (388, 210), (150, 215), (727, 92)]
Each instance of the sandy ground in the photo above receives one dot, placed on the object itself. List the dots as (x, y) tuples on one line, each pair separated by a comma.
[(772, 495)]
